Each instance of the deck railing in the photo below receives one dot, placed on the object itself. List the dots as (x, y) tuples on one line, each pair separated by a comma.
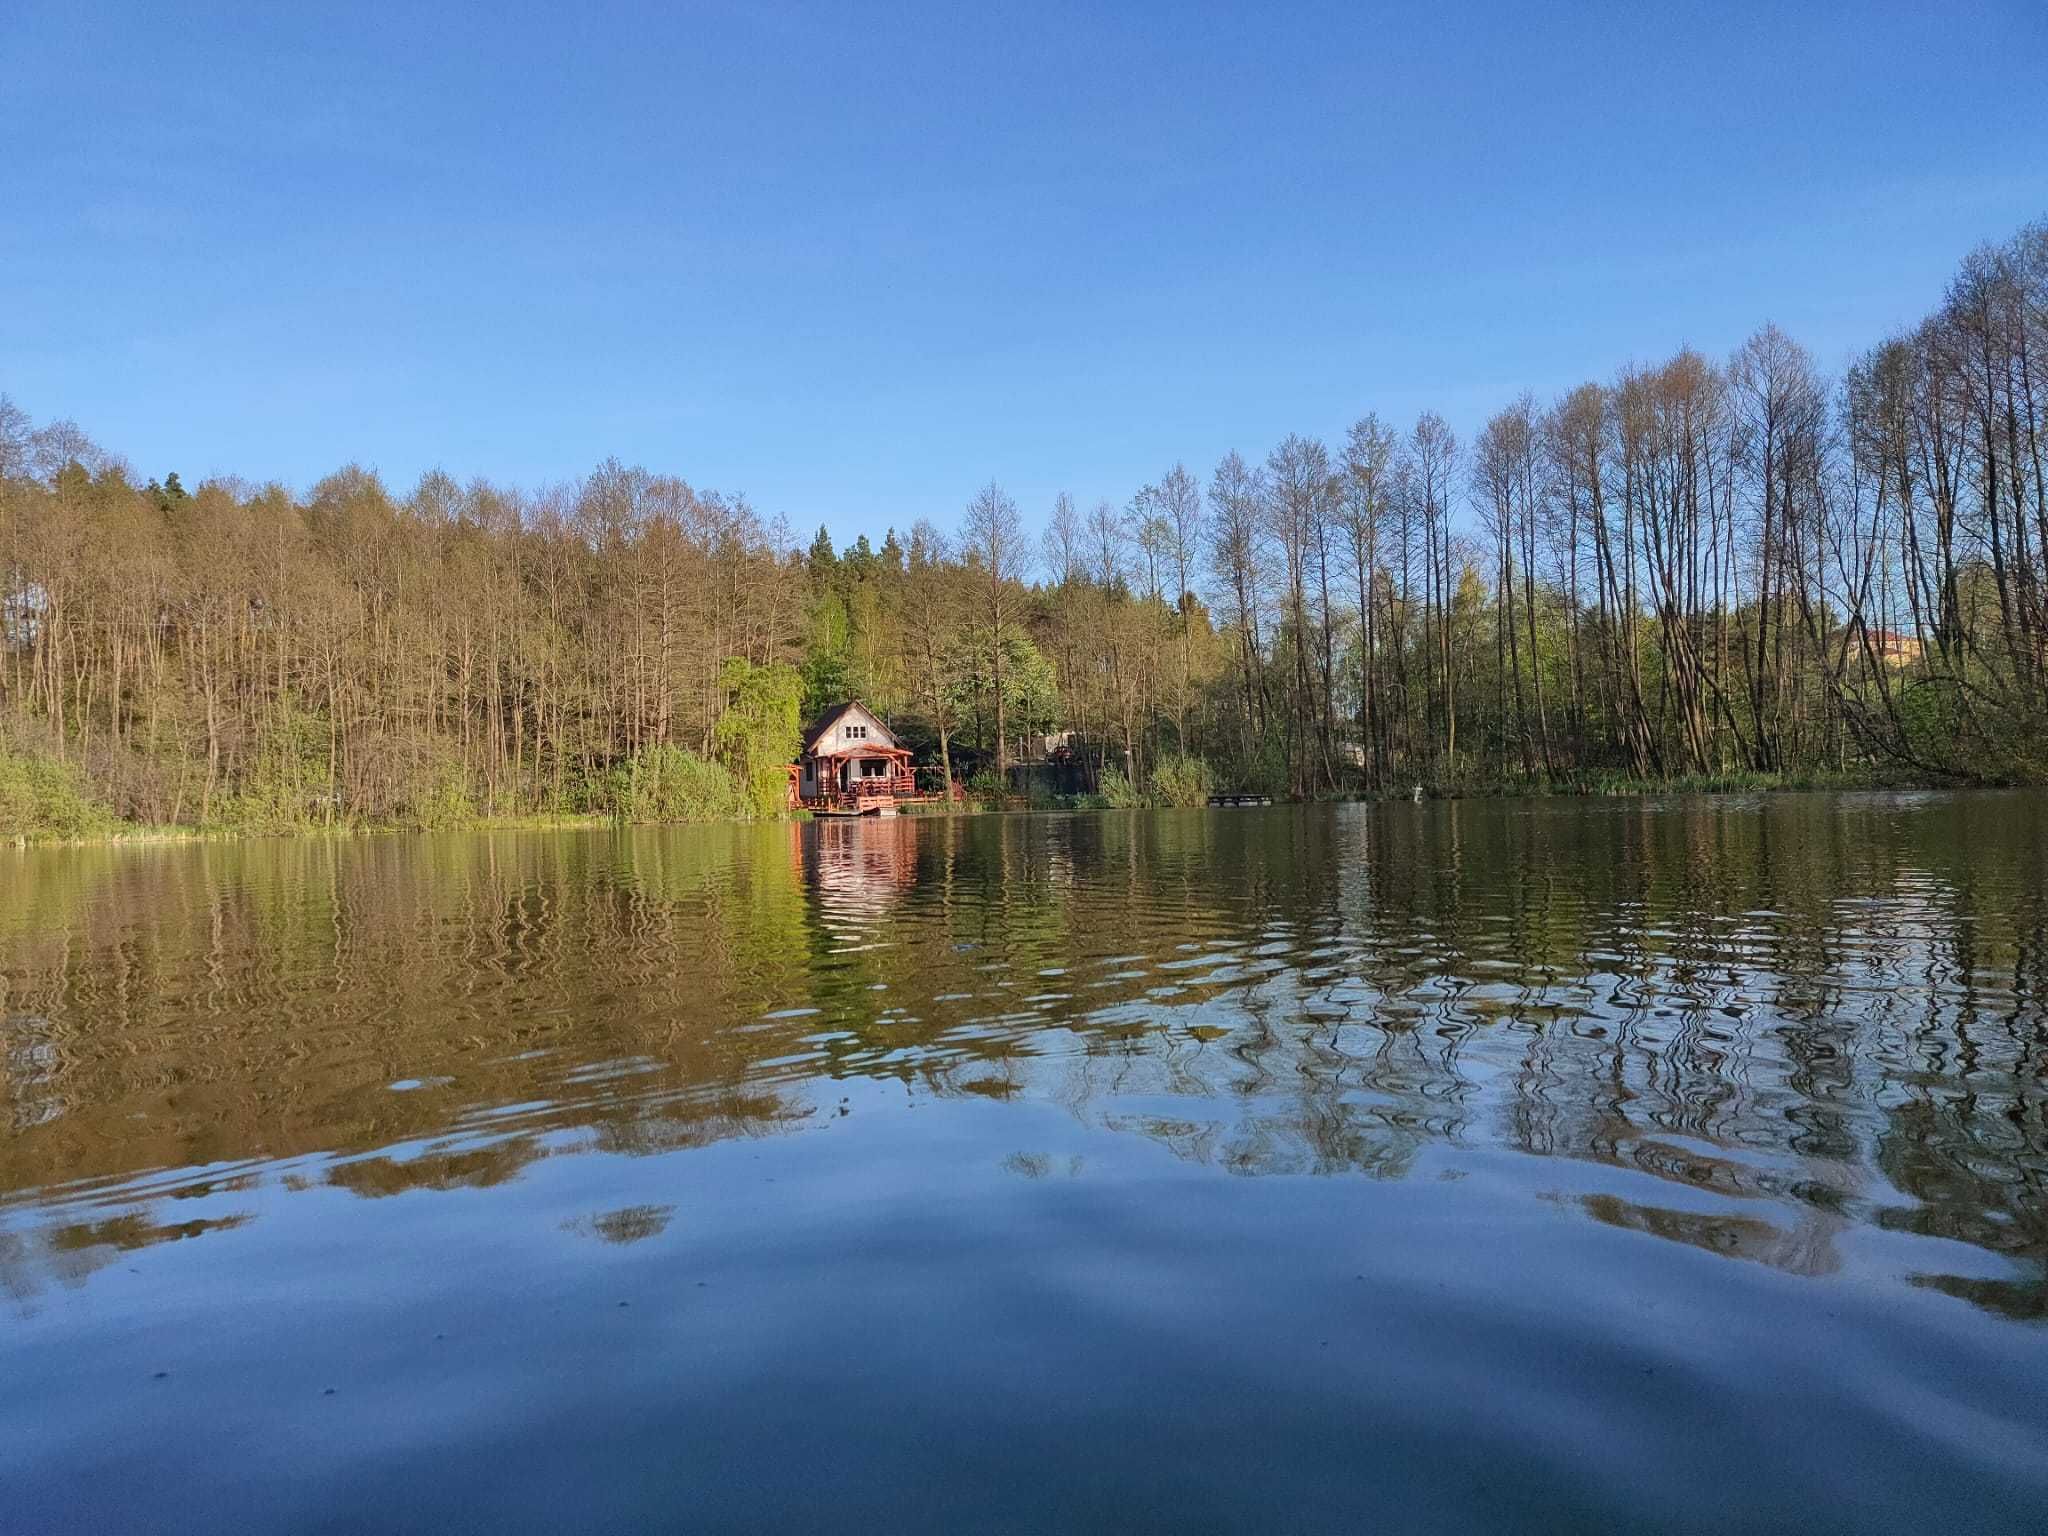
[(881, 786)]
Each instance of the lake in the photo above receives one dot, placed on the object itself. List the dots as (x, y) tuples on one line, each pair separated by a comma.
[(1670, 1164)]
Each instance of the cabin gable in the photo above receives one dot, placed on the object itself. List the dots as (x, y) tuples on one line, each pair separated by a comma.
[(851, 729)]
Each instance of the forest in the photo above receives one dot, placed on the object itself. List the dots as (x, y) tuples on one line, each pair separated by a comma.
[(1695, 571)]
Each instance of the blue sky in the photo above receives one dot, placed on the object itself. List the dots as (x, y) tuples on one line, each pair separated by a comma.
[(855, 261)]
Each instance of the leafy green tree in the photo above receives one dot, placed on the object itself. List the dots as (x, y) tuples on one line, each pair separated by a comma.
[(822, 561), (758, 735), (1030, 693)]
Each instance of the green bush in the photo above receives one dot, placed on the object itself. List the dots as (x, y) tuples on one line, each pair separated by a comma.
[(284, 785), (668, 783), (1181, 780), (1117, 792), (443, 802), (43, 798)]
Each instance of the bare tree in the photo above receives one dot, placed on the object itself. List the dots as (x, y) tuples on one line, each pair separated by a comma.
[(1237, 495), (1178, 500), (1298, 490), (1433, 450), (994, 538), (1369, 452)]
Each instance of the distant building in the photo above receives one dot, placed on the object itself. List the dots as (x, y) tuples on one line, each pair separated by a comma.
[(1890, 648), (1060, 744), (1063, 770)]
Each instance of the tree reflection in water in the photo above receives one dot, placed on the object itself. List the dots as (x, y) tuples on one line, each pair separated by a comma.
[(1807, 1016)]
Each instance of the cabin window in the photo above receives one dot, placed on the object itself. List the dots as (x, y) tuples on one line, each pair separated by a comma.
[(873, 768)]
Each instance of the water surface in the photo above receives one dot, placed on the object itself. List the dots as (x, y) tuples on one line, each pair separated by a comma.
[(1663, 1165)]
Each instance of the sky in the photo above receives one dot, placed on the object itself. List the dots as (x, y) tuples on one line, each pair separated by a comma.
[(856, 261)]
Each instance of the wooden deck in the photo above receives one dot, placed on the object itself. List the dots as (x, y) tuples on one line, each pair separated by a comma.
[(876, 796), (857, 805)]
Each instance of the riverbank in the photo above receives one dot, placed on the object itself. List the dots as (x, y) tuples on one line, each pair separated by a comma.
[(106, 833), (1738, 782), (1600, 786), (140, 833)]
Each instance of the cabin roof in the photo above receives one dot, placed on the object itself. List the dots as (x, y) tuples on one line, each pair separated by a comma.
[(831, 715), (822, 722)]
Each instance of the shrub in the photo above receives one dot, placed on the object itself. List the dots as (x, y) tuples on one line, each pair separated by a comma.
[(668, 783), (442, 801), (40, 797), (284, 785), (1182, 780), (1117, 792)]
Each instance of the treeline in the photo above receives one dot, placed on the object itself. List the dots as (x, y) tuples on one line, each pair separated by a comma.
[(1696, 568), (237, 655)]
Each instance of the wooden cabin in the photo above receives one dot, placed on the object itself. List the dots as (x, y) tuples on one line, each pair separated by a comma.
[(850, 765)]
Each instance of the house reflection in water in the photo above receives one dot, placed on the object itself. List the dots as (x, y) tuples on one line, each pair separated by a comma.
[(859, 867)]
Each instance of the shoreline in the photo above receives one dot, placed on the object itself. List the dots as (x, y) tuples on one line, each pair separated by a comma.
[(1616, 788)]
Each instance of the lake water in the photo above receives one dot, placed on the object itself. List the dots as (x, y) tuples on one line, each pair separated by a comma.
[(1652, 1165)]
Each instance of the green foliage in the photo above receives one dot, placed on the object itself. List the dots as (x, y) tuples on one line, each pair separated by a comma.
[(828, 649), (759, 733), (1116, 791), (1182, 780), (1931, 718), (168, 496), (1031, 701), (821, 557), (667, 783), (285, 786), (826, 679), (40, 797), (1179, 780), (443, 800), (1989, 744), (1262, 772)]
